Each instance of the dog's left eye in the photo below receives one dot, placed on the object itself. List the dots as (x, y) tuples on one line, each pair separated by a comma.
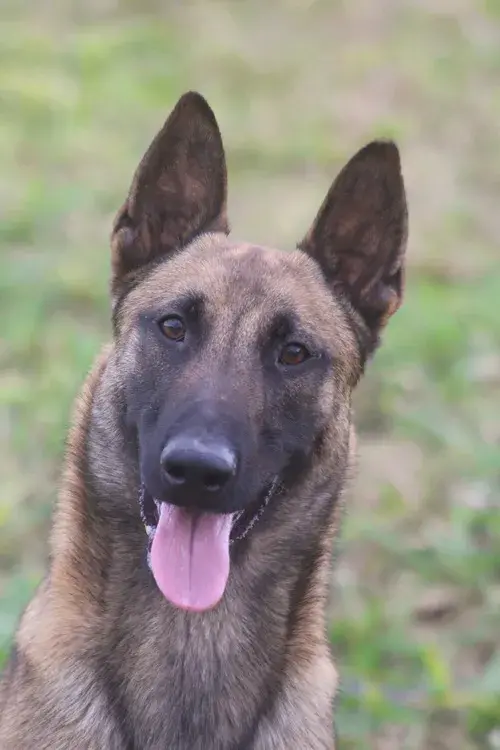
[(173, 328), (293, 354)]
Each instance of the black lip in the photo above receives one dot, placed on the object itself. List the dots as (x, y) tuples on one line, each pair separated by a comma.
[(148, 508), (244, 522), (249, 517)]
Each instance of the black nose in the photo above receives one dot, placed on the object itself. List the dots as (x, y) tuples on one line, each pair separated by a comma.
[(198, 464)]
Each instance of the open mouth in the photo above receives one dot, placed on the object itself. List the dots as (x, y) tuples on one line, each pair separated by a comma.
[(189, 550)]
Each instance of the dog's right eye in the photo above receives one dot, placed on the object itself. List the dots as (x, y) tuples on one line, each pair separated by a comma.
[(293, 354), (173, 328)]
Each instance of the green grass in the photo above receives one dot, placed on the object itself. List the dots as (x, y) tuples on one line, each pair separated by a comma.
[(297, 88)]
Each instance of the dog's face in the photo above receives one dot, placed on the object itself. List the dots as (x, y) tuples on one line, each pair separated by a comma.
[(239, 357), (236, 366)]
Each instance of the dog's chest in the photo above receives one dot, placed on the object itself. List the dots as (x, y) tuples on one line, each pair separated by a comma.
[(198, 693)]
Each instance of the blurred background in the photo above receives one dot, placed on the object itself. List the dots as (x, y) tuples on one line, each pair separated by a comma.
[(297, 87)]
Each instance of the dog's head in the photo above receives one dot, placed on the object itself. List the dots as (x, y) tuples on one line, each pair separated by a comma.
[(240, 359)]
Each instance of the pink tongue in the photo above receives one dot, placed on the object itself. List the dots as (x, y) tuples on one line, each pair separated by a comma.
[(190, 557)]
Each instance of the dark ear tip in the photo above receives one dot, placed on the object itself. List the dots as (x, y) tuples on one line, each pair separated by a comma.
[(192, 103), (384, 151)]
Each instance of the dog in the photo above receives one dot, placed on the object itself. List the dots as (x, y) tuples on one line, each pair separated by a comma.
[(185, 601)]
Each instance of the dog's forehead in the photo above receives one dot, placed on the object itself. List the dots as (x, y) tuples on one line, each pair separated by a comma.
[(246, 290), (226, 273), (239, 277)]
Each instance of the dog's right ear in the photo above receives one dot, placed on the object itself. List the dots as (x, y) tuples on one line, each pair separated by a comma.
[(359, 235), (178, 191)]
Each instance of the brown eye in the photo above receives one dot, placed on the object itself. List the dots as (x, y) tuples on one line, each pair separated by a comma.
[(293, 354), (173, 328)]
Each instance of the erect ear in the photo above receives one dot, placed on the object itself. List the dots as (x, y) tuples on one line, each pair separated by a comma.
[(359, 235), (178, 191)]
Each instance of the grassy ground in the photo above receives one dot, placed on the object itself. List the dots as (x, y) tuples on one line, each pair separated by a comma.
[(297, 87)]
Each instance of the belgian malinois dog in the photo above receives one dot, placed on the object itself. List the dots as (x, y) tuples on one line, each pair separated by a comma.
[(185, 603)]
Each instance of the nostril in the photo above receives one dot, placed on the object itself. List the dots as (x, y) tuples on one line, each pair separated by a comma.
[(213, 481), (176, 472)]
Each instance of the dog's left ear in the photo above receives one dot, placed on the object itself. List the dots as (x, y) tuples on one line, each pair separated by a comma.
[(179, 190), (359, 235)]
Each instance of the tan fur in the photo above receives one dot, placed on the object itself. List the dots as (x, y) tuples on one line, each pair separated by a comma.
[(101, 659)]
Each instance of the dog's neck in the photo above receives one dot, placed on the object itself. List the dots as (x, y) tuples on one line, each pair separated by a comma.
[(99, 572)]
